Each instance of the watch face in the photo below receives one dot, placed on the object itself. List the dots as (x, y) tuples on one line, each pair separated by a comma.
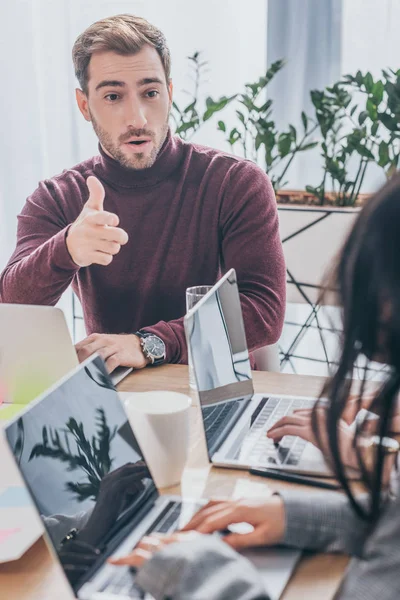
[(155, 346)]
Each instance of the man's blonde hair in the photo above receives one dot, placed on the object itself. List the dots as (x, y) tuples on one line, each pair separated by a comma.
[(123, 34)]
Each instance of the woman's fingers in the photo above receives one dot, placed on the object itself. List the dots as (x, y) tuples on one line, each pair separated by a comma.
[(137, 558), (220, 520), (144, 550), (204, 512), (295, 430), (292, 419), (148, 546)]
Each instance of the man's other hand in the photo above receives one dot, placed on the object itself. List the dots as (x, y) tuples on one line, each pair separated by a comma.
[(116, 350), (95, 238)]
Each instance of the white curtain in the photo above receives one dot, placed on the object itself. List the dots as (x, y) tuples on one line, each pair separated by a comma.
[(307, 34)]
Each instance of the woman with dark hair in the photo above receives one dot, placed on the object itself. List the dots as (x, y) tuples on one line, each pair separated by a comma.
[(367, 281)]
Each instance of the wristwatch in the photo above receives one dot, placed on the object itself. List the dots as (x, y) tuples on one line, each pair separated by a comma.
[(152, 346)]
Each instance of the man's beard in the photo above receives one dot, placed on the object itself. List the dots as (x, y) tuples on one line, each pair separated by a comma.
[(136, 161)]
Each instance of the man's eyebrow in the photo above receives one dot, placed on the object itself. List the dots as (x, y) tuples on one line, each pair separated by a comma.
[(148, 80), (110, 83)]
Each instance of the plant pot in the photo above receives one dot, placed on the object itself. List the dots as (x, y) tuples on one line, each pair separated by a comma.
[(304, 198)]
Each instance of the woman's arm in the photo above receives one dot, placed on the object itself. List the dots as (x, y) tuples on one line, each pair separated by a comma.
[(376, 574), (324, 521), (313, 521)]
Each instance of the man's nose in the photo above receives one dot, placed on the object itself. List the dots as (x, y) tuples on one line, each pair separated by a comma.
[(135, 117)]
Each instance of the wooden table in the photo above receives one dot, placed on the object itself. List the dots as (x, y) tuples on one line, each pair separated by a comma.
[(38, 576)]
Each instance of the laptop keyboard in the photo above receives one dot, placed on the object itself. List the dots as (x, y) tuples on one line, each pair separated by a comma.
[(216, 418), (122, 583), (260, 450)]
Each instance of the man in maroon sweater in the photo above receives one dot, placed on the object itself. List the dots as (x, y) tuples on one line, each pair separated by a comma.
[(133, 227)]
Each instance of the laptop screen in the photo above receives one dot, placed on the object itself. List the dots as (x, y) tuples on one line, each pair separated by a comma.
[(217, 344), (83, 466)]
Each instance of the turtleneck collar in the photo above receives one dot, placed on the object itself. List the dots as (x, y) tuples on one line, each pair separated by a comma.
[(168, 159)]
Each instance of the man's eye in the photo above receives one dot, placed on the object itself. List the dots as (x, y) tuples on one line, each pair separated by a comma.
[(112, 97), (152, 93)]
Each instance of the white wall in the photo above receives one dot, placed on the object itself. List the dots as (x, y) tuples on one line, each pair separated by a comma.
[(370, 35)]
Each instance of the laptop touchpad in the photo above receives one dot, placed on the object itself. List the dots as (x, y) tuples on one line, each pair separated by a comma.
[(275, 567)]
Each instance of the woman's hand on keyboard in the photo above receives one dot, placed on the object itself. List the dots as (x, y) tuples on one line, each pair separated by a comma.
[(300, 423), (266, 518), (151, 544)]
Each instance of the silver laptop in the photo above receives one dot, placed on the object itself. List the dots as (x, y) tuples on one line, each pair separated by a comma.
[(96, 497), (35, 351), (235, 419)]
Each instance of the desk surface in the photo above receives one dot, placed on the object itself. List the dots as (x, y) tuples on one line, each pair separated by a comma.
[(37, 575)]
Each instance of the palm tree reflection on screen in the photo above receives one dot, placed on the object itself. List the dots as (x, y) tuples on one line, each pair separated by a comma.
[(92, 457)]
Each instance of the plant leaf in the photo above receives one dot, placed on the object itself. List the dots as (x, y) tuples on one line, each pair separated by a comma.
[(384, 158), (369, 82), (389, 122), (365, 152), (377, 92), (372, 110), (284, 144), (374, 128), (362, 117), (308, 146)]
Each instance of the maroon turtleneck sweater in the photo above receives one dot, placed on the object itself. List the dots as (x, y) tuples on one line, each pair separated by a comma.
[(191, 216)]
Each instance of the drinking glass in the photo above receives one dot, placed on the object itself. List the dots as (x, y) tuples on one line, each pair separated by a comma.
[(193, 295)]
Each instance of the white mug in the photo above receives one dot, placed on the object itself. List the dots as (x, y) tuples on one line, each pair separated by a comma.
[(160, 421)]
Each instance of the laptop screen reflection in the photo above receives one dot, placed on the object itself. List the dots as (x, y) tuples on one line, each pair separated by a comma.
[(220, 359)]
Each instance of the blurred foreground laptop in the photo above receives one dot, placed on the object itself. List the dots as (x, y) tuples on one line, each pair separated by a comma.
[(88, 478), (36, 350), (235, 419)]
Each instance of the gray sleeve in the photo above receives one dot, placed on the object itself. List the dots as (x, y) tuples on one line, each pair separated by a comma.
[(324, 521), (376, 573), (200, 569)]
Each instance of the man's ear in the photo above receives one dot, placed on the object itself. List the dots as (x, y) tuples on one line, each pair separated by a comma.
[(82, 102), (170, 91)]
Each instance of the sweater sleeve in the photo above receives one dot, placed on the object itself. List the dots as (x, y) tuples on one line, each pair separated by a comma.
[(204, 568), (375, 574), (250, 243), (327, 522), (41, 268), (324, 522)]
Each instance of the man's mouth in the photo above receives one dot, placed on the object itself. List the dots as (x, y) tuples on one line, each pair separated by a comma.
[(138, 142), (138, 145)]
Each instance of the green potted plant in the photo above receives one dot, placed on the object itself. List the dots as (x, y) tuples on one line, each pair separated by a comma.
[(256, 133), (380, 115), (188, 119)]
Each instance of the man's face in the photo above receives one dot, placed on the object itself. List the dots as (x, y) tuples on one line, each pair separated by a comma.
[(128, 103)]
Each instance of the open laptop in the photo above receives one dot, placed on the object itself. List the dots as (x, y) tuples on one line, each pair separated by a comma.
[(36, 350), (235, 419), (87, 476)]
